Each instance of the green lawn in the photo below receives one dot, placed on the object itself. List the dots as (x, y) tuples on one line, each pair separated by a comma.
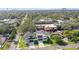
[(70, 49), (71, 42), (26, 45), (6, 46), (22, 42)]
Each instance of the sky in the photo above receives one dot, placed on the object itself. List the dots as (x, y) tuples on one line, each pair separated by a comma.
[(39, 3)]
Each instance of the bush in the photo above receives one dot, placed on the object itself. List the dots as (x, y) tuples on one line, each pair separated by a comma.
[(72, 35), (78, 38), (73, 39), (26, 45), (48, 41), (58, 40), (55, 37)]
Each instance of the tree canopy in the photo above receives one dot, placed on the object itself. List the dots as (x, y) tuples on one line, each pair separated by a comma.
[(27, 25)]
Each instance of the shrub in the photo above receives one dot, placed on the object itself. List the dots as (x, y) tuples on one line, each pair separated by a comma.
[(48, 41), (72, 35), (56, 38), (77, 39)]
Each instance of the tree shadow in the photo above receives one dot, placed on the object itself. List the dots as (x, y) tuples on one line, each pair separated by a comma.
[(62, 43)]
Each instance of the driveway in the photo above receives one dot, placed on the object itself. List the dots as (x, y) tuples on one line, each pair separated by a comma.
[(13, 45), (31, 45), (41, 44)]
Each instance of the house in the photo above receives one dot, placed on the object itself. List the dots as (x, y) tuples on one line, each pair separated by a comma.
[(46, 25), (60, 21), (29, 37), (41, 35), (2, 40), (11, 22)]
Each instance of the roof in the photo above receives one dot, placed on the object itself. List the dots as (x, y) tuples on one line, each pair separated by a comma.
[(9, 20), (45, 21), (51, 25), (2, 40), (59, 21)]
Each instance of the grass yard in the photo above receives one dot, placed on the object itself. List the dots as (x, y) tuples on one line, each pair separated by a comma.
[(70, 49), (6, 46), (26, 46), (71, 42), (21, 42)]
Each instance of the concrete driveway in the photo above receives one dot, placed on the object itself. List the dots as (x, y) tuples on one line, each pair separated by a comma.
[(41, 44), (31, 45)]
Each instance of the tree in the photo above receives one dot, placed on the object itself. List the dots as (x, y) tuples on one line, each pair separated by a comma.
[(12, 35), (72, 35), (58, 40), (27, 25), (4, 28), (70, 25)]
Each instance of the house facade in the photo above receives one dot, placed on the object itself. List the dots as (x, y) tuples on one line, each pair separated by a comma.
[(46, 25)]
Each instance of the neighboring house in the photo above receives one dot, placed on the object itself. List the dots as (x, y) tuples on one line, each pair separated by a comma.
[(29, 37), (59, 33), (38, 35), (9, 20), (66, 21), (41, 35), (2, 40), (46, 24), (60, 21), (12, 22)]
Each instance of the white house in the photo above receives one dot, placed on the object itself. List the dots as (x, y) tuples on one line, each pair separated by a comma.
[(46, 24)]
